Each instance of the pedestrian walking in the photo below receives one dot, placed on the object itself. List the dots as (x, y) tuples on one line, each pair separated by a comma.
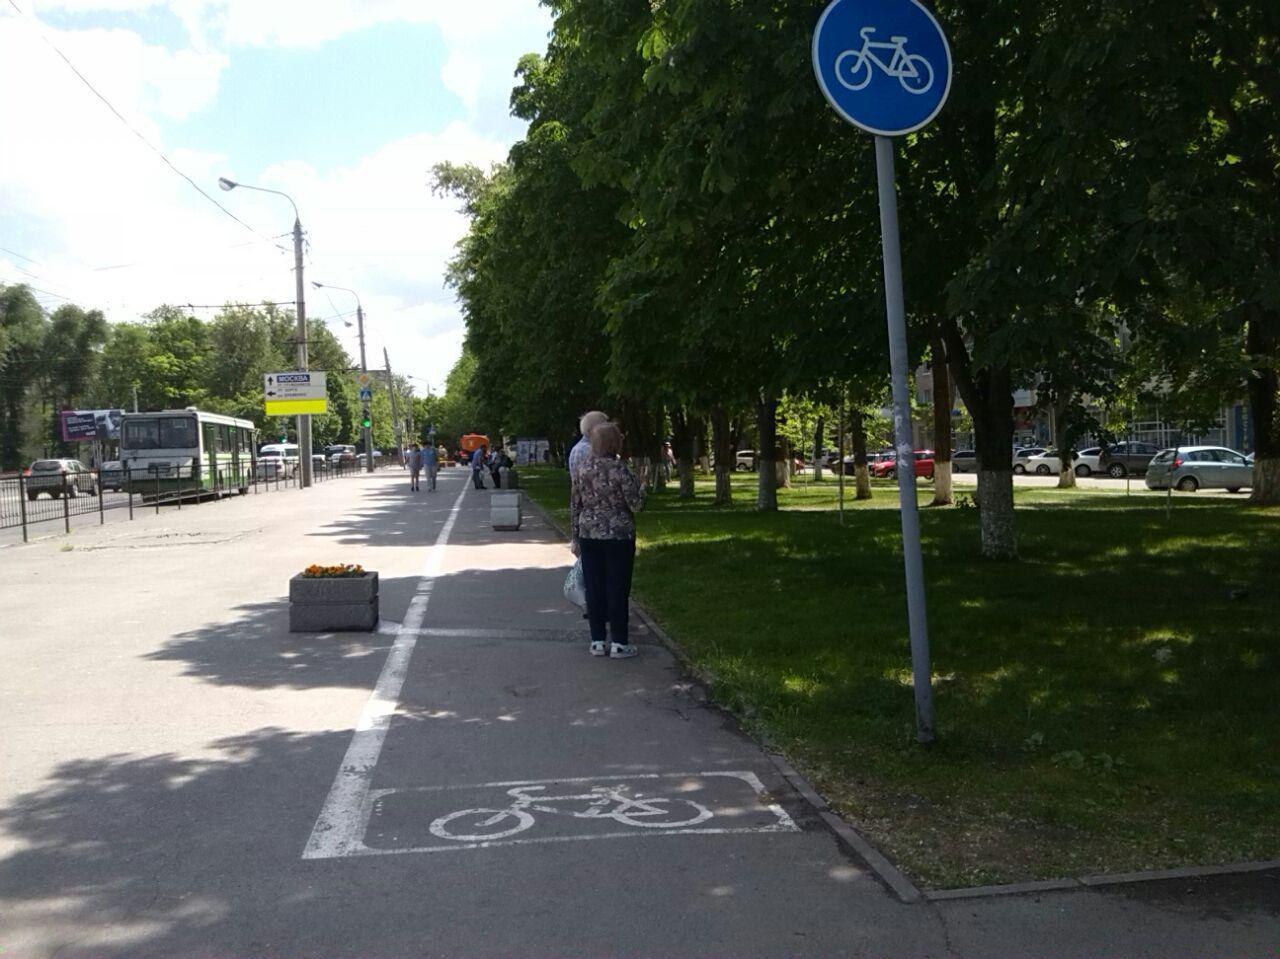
[(604, 501), (477, 467), (431, 462), (414, 463)]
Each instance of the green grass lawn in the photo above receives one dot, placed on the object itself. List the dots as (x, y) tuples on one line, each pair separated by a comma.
[(1103, 704)]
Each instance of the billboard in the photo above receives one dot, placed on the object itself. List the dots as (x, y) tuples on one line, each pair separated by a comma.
[(86, 426)]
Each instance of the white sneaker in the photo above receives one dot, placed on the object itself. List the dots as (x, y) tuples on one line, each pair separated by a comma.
[(619, 651), (597, 649)]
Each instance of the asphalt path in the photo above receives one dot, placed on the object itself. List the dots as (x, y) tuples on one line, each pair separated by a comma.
[(184, 777)]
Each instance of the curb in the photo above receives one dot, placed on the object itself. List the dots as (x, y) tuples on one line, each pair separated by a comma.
[(879, 864)]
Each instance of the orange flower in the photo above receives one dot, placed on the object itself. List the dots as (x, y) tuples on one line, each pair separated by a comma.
[(315, 571)]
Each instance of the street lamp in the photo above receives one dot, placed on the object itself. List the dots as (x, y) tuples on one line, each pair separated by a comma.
[(304, 420), (367, 431)]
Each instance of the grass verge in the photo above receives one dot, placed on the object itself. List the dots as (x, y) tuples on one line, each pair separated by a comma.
[(1107, 703)]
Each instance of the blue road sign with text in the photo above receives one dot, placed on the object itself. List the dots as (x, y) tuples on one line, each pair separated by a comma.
[(883, 64)]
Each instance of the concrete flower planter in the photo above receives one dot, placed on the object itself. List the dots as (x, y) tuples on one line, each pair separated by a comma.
[(333, 604)]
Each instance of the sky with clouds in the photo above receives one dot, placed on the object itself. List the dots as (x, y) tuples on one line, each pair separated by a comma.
[(343, 104)]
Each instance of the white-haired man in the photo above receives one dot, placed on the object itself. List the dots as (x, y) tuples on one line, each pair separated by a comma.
[(581, 451)]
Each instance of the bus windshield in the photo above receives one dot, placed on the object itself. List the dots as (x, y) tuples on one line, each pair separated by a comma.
[(161, 433)]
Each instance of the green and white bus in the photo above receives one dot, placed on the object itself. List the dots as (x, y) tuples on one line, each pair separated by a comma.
[(178, 450)]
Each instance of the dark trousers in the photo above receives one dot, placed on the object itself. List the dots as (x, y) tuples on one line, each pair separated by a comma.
[(606, 574), (477, 477)]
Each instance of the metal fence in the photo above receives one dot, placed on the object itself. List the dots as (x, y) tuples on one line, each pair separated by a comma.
[(31, 500)]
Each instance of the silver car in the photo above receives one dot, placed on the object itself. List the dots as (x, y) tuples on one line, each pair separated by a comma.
[(55, 476), (1190, 468)]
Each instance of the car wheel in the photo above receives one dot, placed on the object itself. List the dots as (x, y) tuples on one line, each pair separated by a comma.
[(890, 474), (72, 491), (741, 467), (1083, 471), (1019, 469), (32, 496), (1233, 489), (1042, 470), (1116, 471), (93, 489), (1188, 484)]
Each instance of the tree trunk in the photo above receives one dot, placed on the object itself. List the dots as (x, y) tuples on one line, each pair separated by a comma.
[(722, 446), (941, 427), (683, 431), (818, 432), (862, 475), (1263, 340), (988, 393), (993, 433), (767, 455), (1066, 441)]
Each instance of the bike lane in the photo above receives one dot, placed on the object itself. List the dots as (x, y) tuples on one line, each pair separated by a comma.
[(533, 800)]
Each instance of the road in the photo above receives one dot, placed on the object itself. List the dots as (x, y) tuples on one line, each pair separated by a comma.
[(184, 777)]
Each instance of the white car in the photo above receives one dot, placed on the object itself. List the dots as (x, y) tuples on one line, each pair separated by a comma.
[(1023, 455), (1089, 461)]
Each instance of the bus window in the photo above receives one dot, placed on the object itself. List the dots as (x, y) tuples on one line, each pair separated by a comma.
[(224, 439), (161, 433)]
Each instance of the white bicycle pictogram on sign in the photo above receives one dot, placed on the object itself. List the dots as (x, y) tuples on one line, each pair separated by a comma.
[(913, 71), (602, 802)]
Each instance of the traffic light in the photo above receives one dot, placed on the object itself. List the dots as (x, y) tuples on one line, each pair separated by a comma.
[(365, 422)]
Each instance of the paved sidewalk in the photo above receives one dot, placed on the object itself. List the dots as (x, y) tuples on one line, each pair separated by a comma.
[(183, 777)]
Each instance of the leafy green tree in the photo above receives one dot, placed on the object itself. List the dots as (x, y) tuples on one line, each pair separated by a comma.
[(22, 331)]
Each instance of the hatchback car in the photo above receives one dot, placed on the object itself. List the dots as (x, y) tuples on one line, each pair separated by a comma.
[(1190, 468), (1022, 456), (111, 475), (964, 461), (54, 476), (888, 468), (744, 461)]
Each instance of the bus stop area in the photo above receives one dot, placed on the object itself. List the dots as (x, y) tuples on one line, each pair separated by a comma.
[(182, 776)]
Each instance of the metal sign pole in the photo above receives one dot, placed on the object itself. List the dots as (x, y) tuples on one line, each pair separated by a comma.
[(918, 625)]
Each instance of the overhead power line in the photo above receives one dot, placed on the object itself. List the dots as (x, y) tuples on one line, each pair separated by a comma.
[(129, 126)]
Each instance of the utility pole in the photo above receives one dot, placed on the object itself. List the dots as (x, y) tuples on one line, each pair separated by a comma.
[(395, 406), (135, 397), (304, 420), (364, 368)]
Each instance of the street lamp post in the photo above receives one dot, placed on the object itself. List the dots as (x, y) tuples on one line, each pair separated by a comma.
[(304, 420), (367, 431)]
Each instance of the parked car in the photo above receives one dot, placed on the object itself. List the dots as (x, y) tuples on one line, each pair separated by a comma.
[(46, 476), (111, 475), (1122, 459), (319, 461), (888, 468), (1023, 455), (271, 467), (964, 461), (1048, 463), (1190, 468), (1089, 461), (744, 461)]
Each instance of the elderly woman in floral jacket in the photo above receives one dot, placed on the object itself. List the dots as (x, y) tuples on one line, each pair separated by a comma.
[(605, 498)]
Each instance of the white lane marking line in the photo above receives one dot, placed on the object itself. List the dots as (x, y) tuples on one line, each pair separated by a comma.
[(784, 824), (340, 826)]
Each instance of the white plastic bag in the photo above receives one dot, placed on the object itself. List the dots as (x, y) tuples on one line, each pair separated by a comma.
[(575, 589)]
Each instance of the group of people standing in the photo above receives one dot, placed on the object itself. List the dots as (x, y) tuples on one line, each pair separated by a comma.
[(483, 461), (603, 500), (419, 457)]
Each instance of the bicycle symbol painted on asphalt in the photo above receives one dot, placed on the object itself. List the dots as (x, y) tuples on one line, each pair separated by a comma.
[(601, 802), (854, 68)]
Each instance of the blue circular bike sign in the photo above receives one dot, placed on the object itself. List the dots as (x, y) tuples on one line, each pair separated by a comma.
[(883, 64)]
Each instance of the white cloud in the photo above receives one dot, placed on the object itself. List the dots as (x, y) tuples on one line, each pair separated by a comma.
[(110, 226)]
